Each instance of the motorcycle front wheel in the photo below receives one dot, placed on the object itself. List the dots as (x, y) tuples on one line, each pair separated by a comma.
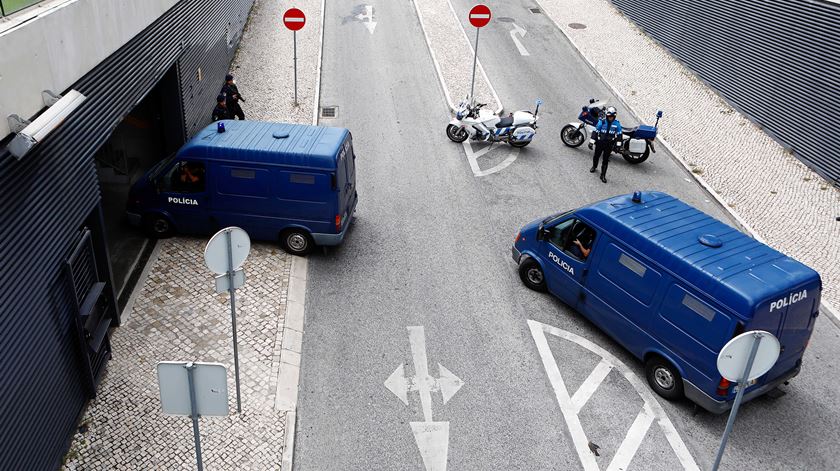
[(456, 133), (571, 135), (635, 158), (519, 143)]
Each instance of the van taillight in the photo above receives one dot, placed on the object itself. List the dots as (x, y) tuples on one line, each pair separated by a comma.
[(338, 223), (723, 387)]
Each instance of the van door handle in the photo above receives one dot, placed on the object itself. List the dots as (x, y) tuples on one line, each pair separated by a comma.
[(584, 272)]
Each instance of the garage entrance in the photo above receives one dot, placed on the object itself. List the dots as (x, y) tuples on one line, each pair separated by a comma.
[(149, 133)]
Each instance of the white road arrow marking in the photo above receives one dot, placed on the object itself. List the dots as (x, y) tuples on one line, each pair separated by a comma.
[(518, 29), (432, 437), (396, 383), (368, 15), (472, 158), (433, 442)]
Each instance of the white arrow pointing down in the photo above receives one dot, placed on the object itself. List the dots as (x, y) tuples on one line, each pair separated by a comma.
[(369, 24)]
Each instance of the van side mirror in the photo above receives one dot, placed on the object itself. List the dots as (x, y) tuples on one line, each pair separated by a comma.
[(544, 232)]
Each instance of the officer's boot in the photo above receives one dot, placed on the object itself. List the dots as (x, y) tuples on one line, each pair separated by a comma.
[(604, 171), (594, 162)]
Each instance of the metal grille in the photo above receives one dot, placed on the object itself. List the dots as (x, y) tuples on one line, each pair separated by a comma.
[(768, 59), (535, 10), (329, 112)]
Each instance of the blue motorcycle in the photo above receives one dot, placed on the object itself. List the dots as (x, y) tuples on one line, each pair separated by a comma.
[(637, 146)]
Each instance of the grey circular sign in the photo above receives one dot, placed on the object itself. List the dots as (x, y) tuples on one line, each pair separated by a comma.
[(733, 357), (216, 255)]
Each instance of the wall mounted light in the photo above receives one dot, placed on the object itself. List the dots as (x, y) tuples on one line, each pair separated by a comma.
[(35, 131)]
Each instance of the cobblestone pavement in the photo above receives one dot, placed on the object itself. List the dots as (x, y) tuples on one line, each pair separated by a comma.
[(453, 53), (786, 203), (178, 316)]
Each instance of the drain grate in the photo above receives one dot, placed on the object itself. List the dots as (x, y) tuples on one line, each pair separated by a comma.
[(329, 111), (535, 10), (577, 26)]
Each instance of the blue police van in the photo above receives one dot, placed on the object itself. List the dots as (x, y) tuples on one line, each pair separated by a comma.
[(290, 183), (673, 285)]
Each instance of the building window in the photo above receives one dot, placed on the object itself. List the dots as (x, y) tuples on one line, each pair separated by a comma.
[(7, 7)]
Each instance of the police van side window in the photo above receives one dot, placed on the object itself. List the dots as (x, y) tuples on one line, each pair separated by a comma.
[(629, 274), (696, 317), (574, 237), (184, 177), (242, 181)]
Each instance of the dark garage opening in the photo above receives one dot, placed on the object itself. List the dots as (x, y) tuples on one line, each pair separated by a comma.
[(149, 133)]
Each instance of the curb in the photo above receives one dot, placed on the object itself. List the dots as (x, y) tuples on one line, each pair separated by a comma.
[(317, 98), (451, 105), (834, 316)]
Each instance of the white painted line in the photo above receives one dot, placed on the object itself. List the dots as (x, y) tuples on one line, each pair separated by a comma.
[(472, 159), (585, 391), (421, 369), (397, 384), (566, 407), (520, 31), (433, 442), (369, 24), (478, 62), (627, 450), (317, 101), (538, 331)]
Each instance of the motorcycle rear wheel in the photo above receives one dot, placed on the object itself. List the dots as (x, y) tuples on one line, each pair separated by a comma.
[(456, 134), (635, 158), (571, 136), (519, 144)]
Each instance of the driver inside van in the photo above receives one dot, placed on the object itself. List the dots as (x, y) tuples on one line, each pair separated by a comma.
[(582, 243), (190, 178)]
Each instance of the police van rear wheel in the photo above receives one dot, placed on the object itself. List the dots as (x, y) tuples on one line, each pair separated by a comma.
[(296, 241), (159, 226), (664, 378), (531, 274)]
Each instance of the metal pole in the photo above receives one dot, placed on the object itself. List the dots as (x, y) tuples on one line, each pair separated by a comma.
[(233, 319), (742, 386), (475, 60), (194, 414), (294, 41)]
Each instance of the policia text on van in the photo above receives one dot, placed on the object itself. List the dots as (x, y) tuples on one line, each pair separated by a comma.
[(673, 285), (286, 182)]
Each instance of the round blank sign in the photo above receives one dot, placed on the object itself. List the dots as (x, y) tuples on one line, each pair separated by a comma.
[(216, 253), (732, 359)]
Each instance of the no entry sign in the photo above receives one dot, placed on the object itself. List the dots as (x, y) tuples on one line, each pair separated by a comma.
[(294, 19), (480, 16)]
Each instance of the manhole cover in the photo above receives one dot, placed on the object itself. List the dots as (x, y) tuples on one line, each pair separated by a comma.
[(577, 26), (505, 19), (329, 112), (535, 10)]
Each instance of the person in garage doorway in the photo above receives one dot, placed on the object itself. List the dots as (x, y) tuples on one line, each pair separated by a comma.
[(220, 111), (606, 135), (231, 93)]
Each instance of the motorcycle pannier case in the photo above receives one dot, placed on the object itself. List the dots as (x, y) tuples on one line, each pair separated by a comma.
[(637, 146), (645, 132)]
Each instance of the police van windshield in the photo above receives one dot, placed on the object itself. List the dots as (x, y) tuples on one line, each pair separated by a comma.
[(155, 170), (549, 220)]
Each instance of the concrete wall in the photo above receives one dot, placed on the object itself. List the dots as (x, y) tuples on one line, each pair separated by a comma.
[(62, 41)]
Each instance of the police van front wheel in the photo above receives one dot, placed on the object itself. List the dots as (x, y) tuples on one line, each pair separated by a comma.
[(296, 241), (531, 274), (158, 226), (664, 378)]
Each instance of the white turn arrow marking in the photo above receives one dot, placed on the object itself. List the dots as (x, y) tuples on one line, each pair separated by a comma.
[(368, 15), (432, 437), (518, 30)]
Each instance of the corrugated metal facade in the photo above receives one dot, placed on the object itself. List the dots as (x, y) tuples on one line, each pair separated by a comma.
[(52, 194), (776, 61)]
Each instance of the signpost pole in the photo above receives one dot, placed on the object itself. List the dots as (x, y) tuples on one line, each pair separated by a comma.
[(194, 414), (475, 60), (742, 386), (294, 46), (232, 291)]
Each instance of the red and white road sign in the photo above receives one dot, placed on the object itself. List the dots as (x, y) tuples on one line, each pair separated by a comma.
[(294, 19), (480, 16)]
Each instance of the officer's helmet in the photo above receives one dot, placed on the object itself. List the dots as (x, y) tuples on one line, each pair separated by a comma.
[(610, 112)]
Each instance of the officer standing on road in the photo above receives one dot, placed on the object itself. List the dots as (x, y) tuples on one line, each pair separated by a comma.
[(606, 135), (231, 92), (220, 111)]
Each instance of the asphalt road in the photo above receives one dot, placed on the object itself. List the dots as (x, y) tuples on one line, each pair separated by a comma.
[(430, 249)]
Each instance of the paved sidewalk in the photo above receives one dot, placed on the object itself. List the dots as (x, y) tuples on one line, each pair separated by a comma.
[(452, 52), (177, 315), (786, 203)]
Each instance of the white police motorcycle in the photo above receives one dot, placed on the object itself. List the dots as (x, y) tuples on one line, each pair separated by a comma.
[(472, 121)]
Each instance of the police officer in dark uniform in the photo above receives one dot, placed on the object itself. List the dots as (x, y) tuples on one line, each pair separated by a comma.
[(220, 111), (606, 135), (231, 92)]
